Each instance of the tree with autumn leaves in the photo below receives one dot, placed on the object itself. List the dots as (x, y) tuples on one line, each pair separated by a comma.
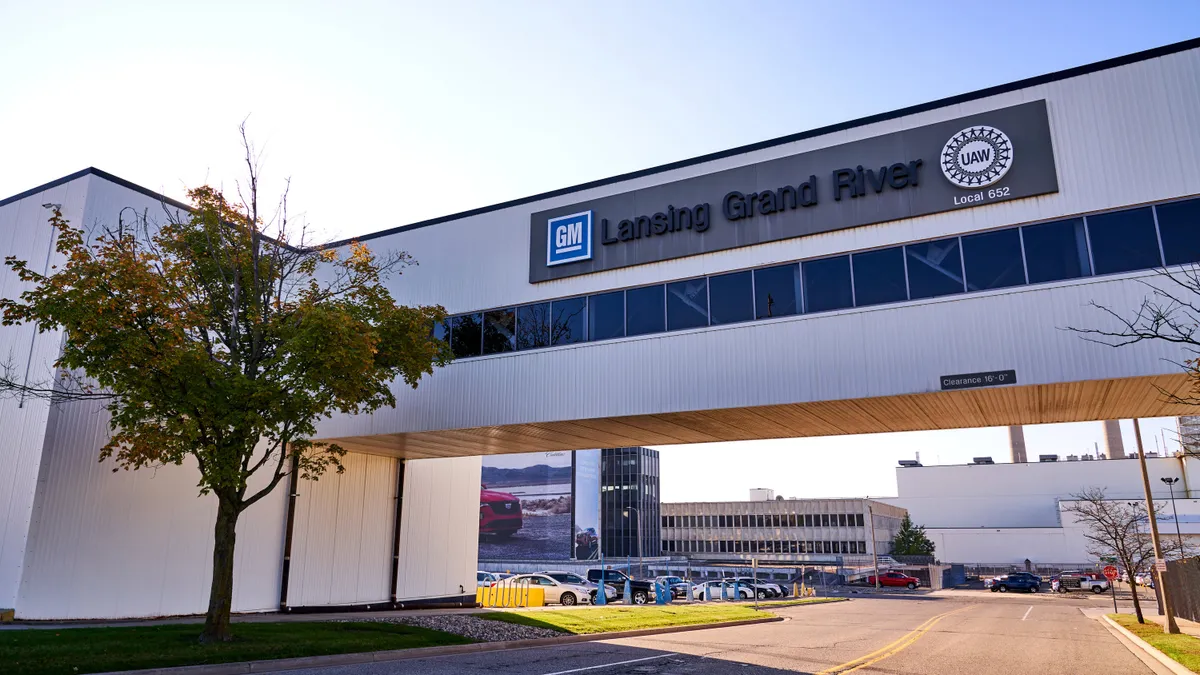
[(214, 336)]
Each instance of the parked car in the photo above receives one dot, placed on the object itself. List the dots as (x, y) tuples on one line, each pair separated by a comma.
[(1014, 581), (558, 592), (499, 513), (895, 579), (676, 585), (711, 590), (763, 589), (1083, 581), (572, 578), (484, 579), (642, 591)]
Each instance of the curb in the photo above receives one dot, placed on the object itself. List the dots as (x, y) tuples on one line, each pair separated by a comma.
[(1171, 664), (276, 665)]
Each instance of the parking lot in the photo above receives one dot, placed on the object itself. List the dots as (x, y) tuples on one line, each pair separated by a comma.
[(940, 633)]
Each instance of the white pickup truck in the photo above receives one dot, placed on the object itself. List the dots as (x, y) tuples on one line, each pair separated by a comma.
[(1081, 581)]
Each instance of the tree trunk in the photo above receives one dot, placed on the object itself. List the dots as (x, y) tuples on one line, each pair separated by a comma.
[(220, 596), (1137, 606)]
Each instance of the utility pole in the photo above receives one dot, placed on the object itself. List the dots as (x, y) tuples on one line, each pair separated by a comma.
[(874, 552), (1172, 626)]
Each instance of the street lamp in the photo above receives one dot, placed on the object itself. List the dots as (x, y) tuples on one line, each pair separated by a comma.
[(625, 512), (1171, 484)]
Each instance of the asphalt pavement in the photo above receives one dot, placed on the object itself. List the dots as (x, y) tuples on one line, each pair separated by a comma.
[(978, 633), (540, 537)]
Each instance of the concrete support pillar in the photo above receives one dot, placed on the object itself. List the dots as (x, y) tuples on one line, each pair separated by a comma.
[(1114, 445), (1016, 444)]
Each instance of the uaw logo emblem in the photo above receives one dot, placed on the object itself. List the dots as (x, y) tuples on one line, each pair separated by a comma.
[(977, 157)]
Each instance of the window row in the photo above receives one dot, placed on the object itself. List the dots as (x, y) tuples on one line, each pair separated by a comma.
[(1107, 243), (768, 520), (735, 546)]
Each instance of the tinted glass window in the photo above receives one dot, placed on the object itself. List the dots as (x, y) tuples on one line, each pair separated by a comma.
[(533, 326), (879, 277), (1055, 251), (687, 304), (606, 316), (1123, 241), (934, 268), (441, 330), (993, 260), (499, 331), (777, 291), (466, 335), (731, 297), (568, 321), (644, 310), (827, 284), (1179, 225)]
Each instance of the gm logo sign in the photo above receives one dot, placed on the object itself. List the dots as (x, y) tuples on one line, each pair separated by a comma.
[(569, 238)]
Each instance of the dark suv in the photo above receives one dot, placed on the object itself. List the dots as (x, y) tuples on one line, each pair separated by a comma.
[(642, 591), (1014, 581)]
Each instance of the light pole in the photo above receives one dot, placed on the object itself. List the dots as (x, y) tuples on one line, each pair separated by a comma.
[(1172, 627), (639, 535), (1171, 484), (874, 553)]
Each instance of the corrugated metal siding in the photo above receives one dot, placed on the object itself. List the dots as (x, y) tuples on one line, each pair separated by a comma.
[(342, 538), (107, 544), (25, 234), (1124, 136), (872, 352), (439, 531), (1127, 135)]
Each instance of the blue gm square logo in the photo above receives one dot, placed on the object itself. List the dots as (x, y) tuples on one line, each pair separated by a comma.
[(569, 238)]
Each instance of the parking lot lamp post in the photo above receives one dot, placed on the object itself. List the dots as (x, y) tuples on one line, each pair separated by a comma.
[(1178, 536), (874, 553), (635, 509)]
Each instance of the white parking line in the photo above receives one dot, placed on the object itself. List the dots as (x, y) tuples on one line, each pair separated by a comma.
[(610, 665), (1027, 613)]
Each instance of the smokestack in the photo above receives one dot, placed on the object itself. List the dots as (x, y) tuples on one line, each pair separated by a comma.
[(1114, 445), (1016, 444)]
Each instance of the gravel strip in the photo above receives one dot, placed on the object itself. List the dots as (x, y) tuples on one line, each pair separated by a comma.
[(473, 627)]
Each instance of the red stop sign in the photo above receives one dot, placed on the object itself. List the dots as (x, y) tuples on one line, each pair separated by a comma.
[(1110, 573)]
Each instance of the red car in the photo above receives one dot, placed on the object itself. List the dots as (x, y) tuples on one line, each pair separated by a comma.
[(499, 513), (895, 579)]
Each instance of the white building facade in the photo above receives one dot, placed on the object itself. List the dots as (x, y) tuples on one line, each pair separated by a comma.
[(912, 270), (1009, 513)]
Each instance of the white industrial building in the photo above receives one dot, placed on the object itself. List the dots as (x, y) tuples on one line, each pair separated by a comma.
[(1011, 512), (911, 270)]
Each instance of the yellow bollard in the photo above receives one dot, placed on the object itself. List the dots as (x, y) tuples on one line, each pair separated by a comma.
[(795, 590)]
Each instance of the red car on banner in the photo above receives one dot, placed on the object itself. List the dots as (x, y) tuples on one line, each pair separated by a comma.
[(499, 513)]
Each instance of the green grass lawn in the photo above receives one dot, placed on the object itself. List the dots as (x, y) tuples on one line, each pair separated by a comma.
[(774, 604), (609, 619), (1183, 648), (72, 651)]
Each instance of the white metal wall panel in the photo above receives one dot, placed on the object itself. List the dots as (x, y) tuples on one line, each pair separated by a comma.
[(1019, 495), (342, 536), (880, 351), (439, 531), (107, 544), (1126, 135), (1123, 136), (24, 233)]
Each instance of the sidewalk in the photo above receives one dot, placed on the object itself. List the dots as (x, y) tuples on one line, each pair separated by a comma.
[(1149, 614), (263, 617)]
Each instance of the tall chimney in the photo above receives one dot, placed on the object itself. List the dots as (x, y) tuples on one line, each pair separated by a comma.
[(1114, 445), (1016, 444)]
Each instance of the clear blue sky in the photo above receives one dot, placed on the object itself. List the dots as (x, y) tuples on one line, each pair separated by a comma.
[(387, 113)]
